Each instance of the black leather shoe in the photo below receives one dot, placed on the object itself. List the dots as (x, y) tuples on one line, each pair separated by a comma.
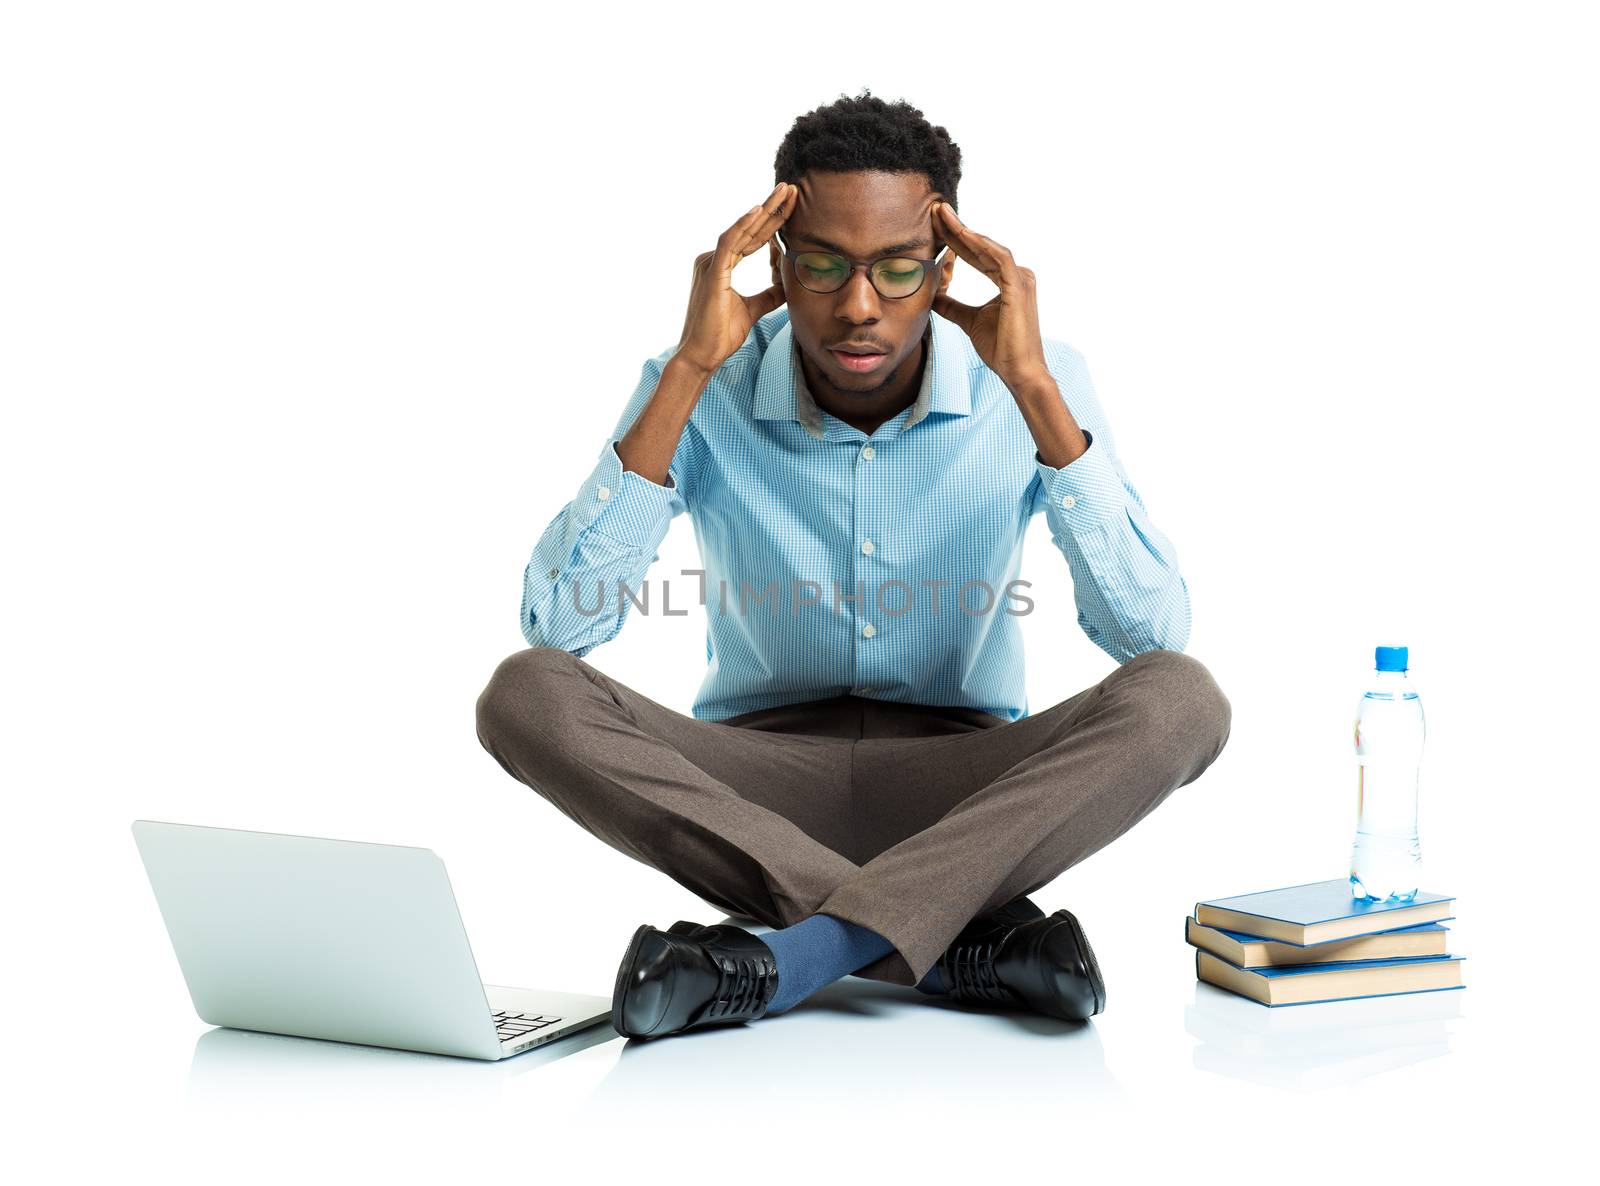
[(1043, 964), (689, 976)]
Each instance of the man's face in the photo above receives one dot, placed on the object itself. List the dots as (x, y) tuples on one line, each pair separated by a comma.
[(862, 216)]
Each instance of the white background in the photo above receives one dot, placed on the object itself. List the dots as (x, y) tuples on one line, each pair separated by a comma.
[(314, 315)]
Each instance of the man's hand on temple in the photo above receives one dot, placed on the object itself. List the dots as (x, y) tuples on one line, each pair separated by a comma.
[(1005, 333)]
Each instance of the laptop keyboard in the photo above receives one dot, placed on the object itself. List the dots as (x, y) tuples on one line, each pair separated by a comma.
[(511, 1026)]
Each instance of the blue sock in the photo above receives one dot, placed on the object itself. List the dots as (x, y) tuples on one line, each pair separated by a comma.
[(815, 952), (932, 982)]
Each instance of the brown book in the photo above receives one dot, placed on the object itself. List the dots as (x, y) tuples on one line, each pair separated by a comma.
[(1304, 984)]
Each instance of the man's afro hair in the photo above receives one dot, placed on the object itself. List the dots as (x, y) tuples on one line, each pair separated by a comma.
[(865, 133)]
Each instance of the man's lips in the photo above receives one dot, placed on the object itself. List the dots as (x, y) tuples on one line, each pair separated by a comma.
[(856, 363)]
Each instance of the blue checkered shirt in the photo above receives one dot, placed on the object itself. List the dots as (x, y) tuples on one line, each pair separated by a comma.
[(834, 561)]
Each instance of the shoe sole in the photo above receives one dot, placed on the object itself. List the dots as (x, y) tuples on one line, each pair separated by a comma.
[(625, 974), (1091, 965)]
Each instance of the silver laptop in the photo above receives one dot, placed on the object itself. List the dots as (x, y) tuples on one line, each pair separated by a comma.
[(340, 940)]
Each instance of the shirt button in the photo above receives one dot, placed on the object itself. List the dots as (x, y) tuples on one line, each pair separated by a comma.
[(867, 452), (868, 547), (603, 493), (554, 573), (1068, 501), (868, 630), (864, 691)]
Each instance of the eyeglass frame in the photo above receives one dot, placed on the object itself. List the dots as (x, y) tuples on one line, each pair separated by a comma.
[(928, 265)]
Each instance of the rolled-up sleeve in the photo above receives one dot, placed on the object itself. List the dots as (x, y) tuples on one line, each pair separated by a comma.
[(575, 589), (1131, 597)]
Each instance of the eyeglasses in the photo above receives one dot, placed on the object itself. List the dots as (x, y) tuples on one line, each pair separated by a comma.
[(895, 277)]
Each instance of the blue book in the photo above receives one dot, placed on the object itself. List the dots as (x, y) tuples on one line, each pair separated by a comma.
[(1317, 912), (1305, 984), (1252, 951)]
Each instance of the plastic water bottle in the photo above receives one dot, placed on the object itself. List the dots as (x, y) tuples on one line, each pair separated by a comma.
[(1386, 861)]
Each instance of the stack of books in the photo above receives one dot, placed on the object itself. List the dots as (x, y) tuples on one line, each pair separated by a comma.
[(1314, 942)]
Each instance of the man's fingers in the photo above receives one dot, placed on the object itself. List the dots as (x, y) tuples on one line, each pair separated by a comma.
[(959, 236), (756, 227), (778, 212), (983, 253)]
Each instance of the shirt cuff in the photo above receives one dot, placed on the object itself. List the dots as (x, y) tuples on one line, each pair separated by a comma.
[(623, 505), (1085, 493)]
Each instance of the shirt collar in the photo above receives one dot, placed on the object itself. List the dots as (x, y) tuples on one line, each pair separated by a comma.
[(781, 392)]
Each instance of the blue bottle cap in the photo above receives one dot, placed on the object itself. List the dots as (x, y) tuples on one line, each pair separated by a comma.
[(1393, 658)]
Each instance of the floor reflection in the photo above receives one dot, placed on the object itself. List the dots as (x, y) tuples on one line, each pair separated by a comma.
[(236, 1068), (857, 1045), (1327, 1044), (854, 1045)]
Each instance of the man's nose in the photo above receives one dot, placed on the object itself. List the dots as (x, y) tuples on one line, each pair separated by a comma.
[(858, 299)]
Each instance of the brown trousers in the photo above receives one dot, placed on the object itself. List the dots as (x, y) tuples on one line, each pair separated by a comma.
[(906, 819)]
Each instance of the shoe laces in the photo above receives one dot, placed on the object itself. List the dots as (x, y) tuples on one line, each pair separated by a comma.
[(744, 985), (972, 976)]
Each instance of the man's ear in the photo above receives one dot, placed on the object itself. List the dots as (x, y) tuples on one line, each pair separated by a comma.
[(945, 271), (776, 258)]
